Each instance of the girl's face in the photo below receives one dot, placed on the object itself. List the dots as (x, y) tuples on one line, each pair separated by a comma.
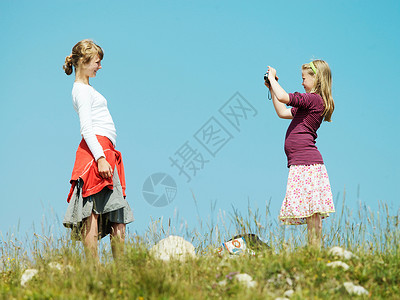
[(92, 67), (308, 81)]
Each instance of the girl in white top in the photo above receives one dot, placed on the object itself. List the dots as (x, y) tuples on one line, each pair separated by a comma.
[(94, 117), (105, 211)]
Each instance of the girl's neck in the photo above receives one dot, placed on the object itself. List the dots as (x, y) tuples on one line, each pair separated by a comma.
[(81, 78)]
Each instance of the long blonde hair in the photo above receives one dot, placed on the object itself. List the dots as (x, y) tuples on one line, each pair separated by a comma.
[(322, 85), (82, 53)]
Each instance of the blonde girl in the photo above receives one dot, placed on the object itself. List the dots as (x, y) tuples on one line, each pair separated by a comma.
[(308, 197), (97, 205)]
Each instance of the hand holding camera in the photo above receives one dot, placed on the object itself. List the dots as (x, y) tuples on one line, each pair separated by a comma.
[(266, 79), (267, 82)]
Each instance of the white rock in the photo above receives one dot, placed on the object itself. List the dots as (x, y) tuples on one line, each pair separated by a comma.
[(338, 251), (288, 293), (280, 279), (60, 267), (55, 265), (289, 281), (337, 263), (222, 283), (174, 247), (355, 289), (246, 280), (69, 268), (28, 275)]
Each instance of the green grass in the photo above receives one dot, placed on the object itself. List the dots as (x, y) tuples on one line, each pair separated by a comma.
[(288, 265)]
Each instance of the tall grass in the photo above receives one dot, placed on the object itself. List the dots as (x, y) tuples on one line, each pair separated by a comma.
[(64, 273)]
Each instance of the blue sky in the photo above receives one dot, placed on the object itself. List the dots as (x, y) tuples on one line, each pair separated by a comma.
[(169, 67)]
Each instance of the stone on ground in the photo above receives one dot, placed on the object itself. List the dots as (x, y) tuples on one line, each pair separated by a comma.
[(173, 247)]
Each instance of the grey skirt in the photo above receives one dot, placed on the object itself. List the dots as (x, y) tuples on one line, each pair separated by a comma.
[(110, 205)]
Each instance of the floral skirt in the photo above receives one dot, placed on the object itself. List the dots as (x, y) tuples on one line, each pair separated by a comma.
[(308, 192)]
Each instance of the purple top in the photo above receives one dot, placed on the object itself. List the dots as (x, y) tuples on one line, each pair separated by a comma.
[(300, 137)]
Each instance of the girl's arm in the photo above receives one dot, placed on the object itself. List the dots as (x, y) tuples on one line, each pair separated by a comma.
[(279, 96), (282, 111), (83, 104)]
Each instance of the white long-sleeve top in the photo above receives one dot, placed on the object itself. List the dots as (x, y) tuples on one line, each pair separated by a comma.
[(94, 117)]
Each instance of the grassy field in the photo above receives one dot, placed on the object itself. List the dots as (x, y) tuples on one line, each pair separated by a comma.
[(288, 270)]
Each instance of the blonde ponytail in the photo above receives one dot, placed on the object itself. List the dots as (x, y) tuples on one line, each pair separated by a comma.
[(68, 65)]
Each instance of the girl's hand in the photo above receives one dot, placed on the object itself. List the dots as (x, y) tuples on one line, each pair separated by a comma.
[(268, 72), (266, 83), (271, 73), (104, 167)]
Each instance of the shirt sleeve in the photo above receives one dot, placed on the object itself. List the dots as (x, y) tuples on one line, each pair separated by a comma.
[(83, 101), (293, 111), (300, 100)]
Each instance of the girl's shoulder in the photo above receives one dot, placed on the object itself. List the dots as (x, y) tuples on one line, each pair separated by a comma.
[(308, 101), (79, 88), (304, 97), (316, 99), (81, 93)]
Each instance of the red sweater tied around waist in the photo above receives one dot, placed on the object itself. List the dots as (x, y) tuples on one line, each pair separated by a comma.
[(85, 167)]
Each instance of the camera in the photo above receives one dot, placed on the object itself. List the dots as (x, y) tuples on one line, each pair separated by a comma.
[(266, 78)]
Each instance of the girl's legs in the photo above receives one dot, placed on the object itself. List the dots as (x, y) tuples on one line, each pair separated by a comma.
[(314, 229), (90, 236), (117, 239)]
